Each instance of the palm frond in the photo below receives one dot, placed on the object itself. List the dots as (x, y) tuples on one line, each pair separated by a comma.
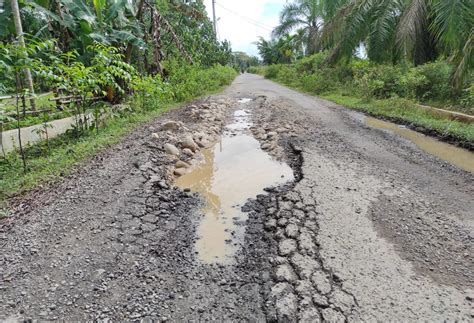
[(464, 61), (412, 25), (287, 26), (354, 24), (452, 22), (383, 25)]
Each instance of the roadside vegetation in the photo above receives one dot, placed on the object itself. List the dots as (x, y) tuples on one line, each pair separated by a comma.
[(380, 57), (111, 66), (383, 91)]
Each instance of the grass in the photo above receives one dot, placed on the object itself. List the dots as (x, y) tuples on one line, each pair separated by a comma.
[(41, 101), (406, 112)]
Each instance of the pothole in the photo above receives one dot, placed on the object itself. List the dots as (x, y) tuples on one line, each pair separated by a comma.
[(459, 157), (245, 100), (231, 172)]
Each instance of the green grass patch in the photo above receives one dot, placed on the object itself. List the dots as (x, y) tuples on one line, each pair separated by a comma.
[(406, 112), (65, 152)]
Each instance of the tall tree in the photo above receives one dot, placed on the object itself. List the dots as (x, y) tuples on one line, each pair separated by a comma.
[(19, 32)]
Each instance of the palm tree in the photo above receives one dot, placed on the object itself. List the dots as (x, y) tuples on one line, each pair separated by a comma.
[(305, 15), (416, 29), (308, 17)]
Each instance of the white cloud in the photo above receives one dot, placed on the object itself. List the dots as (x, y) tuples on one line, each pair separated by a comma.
[(242, 21)]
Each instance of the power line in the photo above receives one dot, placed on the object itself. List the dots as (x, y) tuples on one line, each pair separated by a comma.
[(249, 20)]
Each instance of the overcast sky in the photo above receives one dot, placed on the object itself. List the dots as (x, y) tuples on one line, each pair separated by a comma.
[(242, 21)]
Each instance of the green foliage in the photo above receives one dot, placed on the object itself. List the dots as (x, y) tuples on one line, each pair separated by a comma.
[(242, 62), (260, 70), (272, 71), (189, 81), (388, 32), (311, 64), (150, 92), (427, 83), (377, 81), (106, 72), (284, 50)]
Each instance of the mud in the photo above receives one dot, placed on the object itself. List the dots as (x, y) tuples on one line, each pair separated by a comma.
[(371, 228), (232, 171), (459, 157)]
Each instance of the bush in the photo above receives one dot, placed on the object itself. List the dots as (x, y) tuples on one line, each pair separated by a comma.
[(260, 70), (429, 81), (378, 81), (317, 83), (188, 81), (287, 74), (467, 100), (312, 63), (271, 72)]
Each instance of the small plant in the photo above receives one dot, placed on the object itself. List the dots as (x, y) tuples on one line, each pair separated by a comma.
[(5, 213), (42, 131), (4, 118)]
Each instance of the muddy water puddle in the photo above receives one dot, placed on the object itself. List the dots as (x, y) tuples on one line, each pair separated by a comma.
[(229, 173), (459, 157)]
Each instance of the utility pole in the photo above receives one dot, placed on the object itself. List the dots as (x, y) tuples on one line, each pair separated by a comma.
[(21, 41), (214, 16)]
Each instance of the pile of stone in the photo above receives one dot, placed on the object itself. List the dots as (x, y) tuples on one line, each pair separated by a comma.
[(269, 134), (182, 142)]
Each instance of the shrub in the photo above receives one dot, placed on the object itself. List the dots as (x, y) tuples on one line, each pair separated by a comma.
[(467, 100), (287, 74), (256, 70), (271, 72), (429, 81), (188, 81), (317, 83), (379, 81), (311, 63)]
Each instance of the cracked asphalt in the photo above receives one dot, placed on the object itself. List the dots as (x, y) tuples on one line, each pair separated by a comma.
[(372, 229)]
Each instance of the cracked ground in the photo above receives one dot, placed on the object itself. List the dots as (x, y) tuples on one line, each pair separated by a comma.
[(371, 229)]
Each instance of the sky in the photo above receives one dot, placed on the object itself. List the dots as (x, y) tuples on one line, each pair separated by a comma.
[(242, 21)]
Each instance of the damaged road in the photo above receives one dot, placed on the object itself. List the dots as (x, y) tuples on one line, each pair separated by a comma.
[(371, 227)]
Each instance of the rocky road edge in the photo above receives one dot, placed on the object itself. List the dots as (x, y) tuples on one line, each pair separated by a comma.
[(296, 285)]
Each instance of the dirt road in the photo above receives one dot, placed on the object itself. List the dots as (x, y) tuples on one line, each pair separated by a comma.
[(371, 227)]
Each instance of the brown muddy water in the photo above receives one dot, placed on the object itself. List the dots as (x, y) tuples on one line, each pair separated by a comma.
[(229, 173), (459, 157)]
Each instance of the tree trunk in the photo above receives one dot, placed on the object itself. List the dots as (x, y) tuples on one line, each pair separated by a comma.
[(174, 37), (157, 52), (138, 17), (21, 40), (64, 32)]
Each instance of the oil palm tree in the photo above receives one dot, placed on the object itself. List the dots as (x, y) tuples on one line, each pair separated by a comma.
[(305, 15), (308, 17), (420, 30)]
